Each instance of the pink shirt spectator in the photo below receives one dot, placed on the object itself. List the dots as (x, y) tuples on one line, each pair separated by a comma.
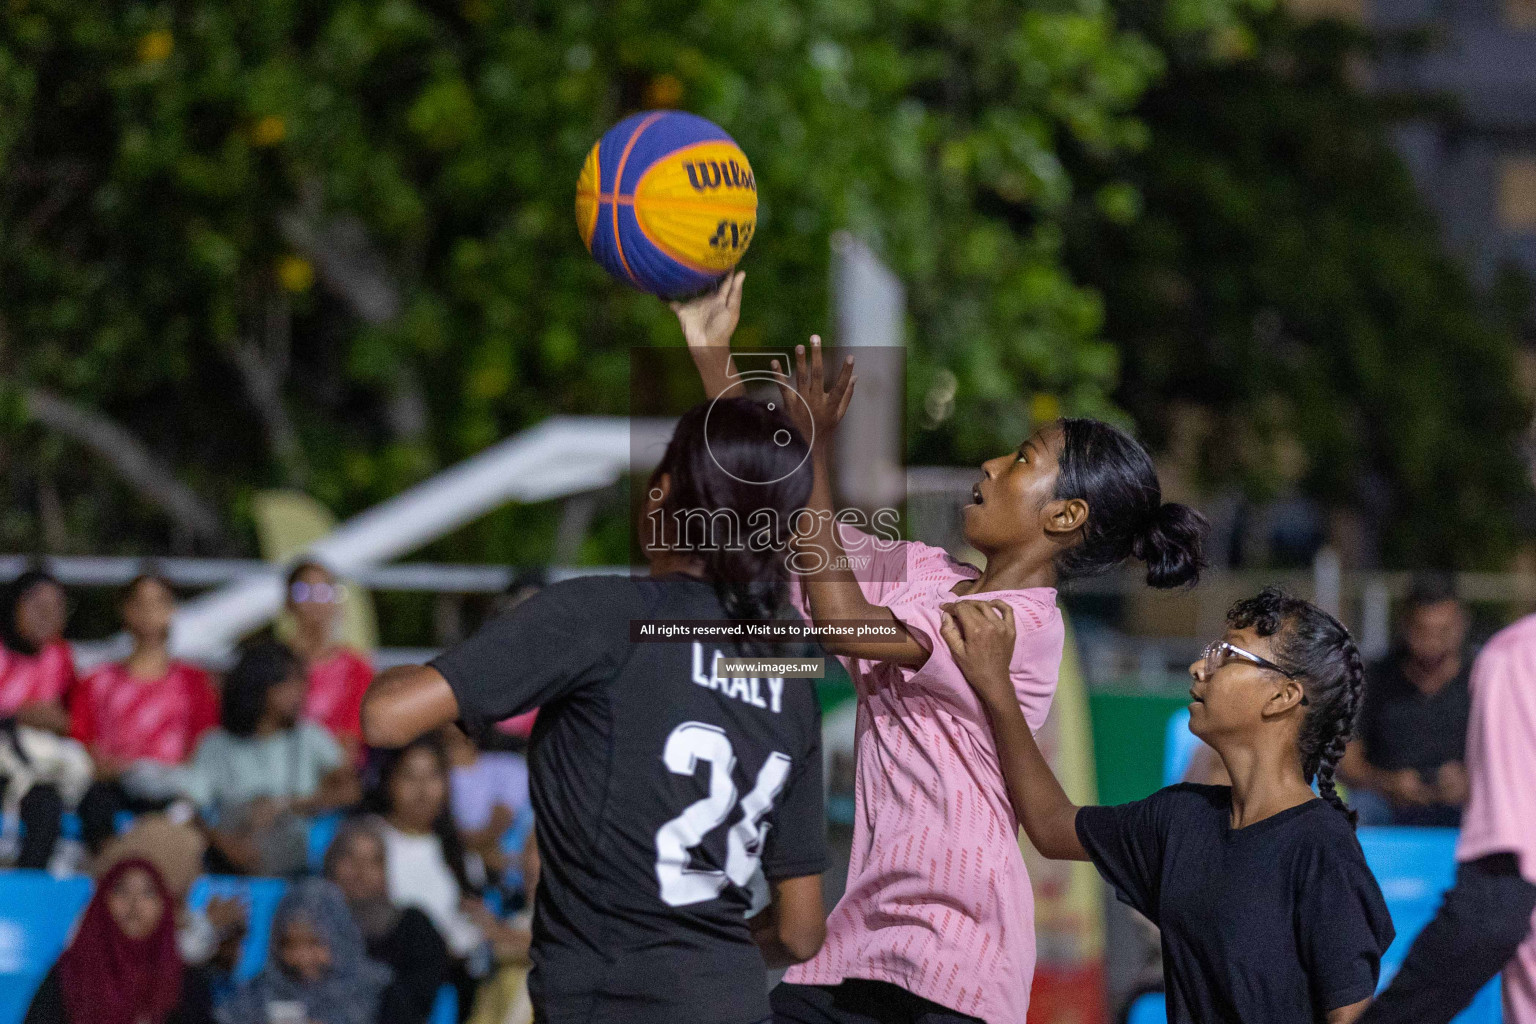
[(337, 684), (118, 714), (1501, 760), (938, 900), (28, 678)]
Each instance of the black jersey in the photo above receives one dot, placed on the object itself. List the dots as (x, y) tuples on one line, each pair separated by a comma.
[(663, 794)]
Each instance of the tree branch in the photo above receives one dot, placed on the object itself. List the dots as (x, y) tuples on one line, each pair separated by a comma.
[(132, 461)]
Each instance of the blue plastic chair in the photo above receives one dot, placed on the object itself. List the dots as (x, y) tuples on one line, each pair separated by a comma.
[(1151, 1008), (1179, 745), (37, 912), (261, 896), (1414, 867), (445, 1008), (322, 831)]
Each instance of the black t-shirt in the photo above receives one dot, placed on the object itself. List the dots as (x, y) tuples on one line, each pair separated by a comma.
[(1278, 921), (1403, 727), (658, 789)]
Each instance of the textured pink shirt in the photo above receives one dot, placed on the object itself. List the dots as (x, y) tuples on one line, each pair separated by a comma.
[(1501, 760), (938, 900)]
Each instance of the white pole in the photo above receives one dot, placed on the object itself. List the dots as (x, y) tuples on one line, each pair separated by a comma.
[(869, 303), (563, 455)]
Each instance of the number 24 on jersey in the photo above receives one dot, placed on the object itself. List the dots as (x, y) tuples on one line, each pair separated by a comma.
[(687, 745)]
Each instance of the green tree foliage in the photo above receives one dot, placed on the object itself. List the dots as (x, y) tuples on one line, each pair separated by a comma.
[(331, 244), (1288, 286)]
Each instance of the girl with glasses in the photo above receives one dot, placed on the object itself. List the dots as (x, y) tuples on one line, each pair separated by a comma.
[(338, 675), (1267, 909)]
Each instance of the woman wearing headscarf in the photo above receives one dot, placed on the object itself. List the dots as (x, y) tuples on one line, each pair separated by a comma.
[(123, 966), (401, 938), (318, 971)]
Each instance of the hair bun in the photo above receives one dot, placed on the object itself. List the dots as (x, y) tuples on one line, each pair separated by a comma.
[(1171, 544)]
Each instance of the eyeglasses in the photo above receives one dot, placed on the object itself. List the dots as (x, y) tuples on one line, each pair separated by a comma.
[(317, 593), (1219, 652)]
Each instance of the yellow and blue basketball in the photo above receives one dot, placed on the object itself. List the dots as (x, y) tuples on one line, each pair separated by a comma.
[(666, 202)]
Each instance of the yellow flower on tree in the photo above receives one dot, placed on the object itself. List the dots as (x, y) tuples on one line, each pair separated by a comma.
[(156, 46), (296, 273), (268, 131), (663, 91)]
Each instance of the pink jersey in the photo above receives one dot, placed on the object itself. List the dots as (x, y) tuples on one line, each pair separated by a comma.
[(29, 678), (938, 900), (337, 685), (1501, 760), (118, 714)]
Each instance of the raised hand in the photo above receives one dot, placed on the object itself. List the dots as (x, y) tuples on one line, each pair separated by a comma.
[(981, 635), (709, 320), (815, 408)]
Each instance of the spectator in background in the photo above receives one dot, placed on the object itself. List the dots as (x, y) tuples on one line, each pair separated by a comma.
[(338, 675), (426, 864), (122, 966), (402, 939), (318, 971), (149, 707), (488, 790), (1487, 921), (261, 771), (1407, 764), (36, 669)]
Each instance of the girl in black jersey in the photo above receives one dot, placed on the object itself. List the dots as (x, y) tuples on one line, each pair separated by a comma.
[(1267, 909), (666, 791)]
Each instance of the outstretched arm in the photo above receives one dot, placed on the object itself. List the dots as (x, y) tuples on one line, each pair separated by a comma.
[(708, 323), (981, 636), (831, 589)]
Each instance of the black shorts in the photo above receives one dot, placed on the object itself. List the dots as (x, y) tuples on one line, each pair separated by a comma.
[(857, 1001)]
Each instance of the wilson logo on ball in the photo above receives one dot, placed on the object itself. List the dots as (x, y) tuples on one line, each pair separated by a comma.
[(711, 175), (666, 202)]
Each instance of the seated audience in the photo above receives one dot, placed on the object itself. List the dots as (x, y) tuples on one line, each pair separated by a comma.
[(41, 775), (36, 668), (318, 971), (487, 789), (504, 998), (122, 966), (208, 939), (36, 672), (256, 776), (149, 707), (402, 939), (338, 675), (1407, 766), (426, 863)]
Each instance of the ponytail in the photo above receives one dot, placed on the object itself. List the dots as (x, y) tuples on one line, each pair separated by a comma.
[(1127, 517)]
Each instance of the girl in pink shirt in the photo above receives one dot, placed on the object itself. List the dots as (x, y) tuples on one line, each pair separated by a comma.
[(338, 675), (36, 669), (935, 924), (149, 707)]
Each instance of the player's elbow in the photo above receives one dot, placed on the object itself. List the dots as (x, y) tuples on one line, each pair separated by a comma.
[(393, 709), (802, 940), (382, 726)]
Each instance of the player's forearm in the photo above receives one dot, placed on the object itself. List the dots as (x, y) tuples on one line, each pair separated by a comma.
[(1049, 817), (716, 369), (831, 590), (406, 702)]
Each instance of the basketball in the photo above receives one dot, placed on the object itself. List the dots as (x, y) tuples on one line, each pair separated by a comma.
[(666, 202)]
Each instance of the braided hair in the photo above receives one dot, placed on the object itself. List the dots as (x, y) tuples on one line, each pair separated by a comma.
[(1317, 648)]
